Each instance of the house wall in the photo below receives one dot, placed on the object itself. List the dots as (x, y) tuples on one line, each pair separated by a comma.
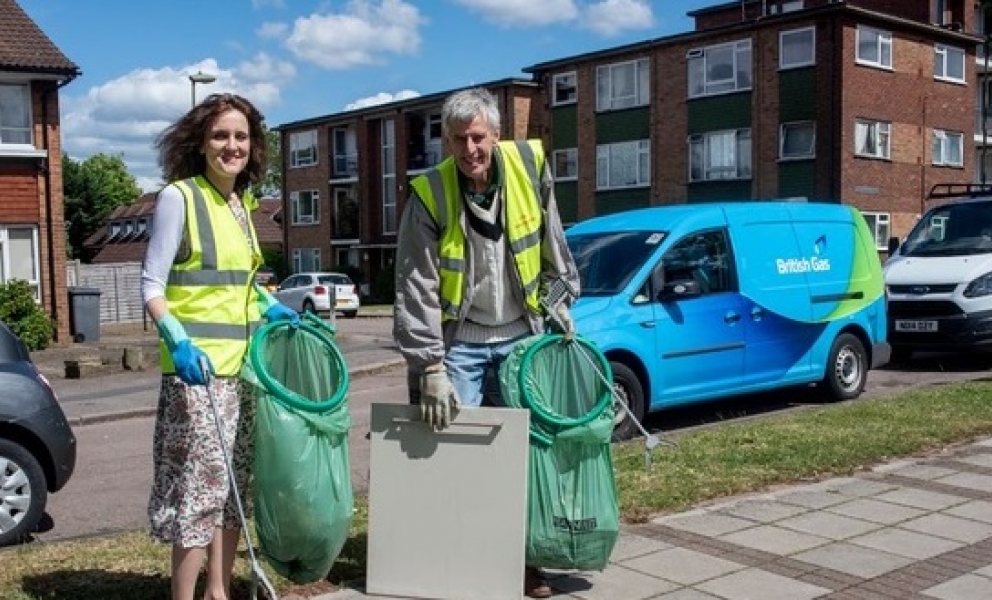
[(23, 181)]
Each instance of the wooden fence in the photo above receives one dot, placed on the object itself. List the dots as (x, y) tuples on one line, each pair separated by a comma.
[(119, 285)]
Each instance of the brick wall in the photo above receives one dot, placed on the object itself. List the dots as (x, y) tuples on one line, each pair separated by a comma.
[(299, 179), (915, 104)]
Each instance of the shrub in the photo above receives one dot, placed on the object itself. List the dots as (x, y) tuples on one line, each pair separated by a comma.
[(25, 317)]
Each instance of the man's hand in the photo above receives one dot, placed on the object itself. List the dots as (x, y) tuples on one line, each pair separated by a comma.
[(438, 400), (561, 322), (281, 312)]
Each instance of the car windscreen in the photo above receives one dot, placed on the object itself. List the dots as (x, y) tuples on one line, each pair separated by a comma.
[(607, 260), (952, 230)]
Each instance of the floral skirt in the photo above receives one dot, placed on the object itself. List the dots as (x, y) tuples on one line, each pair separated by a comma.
[(191, 494)]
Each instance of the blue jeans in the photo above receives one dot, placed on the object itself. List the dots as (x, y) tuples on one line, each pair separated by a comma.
[(474, 370)]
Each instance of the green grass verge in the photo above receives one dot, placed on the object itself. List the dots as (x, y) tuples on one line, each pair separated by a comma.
[(732, 458)]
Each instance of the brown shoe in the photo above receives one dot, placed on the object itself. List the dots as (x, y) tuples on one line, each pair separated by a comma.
[(536, 584)]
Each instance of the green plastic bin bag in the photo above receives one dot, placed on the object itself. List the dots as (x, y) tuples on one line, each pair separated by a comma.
[(302, 490), (573, 515)]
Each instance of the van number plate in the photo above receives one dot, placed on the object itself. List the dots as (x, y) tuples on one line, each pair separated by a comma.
[(916, 325)]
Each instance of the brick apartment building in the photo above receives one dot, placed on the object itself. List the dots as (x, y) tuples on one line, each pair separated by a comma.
[(864, 102), (32, 225)]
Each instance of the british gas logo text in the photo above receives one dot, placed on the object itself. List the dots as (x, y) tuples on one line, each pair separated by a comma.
[(789, 266)]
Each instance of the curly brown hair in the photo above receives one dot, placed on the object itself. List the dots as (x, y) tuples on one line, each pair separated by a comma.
[(180, 144)]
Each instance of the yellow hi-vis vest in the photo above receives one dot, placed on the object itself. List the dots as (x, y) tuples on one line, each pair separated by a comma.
[(210, 292), (521, 164)]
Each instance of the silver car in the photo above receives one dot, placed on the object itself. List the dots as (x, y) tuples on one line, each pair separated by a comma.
[(319, 292)]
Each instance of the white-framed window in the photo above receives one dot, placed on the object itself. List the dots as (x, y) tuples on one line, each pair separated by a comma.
[(19, 256), (872, 139), (306, 259), (948, 148), (345, 151), (15, 115), (797, 140), (874, 47), (948, 63), (564, 88), (797, 48), (719, 69), (720, 155), (388, 176), (623, 85), (345, 214), (435, 128), (303, 148), (785, 7), (623, 165), (565, 163), (878, 223), (306, 207)]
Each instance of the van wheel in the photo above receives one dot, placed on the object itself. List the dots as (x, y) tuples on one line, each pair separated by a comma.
[(308, 306), (847, 368), (23, 493), (627, 389)]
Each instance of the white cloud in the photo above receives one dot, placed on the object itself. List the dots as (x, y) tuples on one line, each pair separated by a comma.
[(125, 115), (523, 13), (381, 98), (611, 17), (273, 31), (360, 35)]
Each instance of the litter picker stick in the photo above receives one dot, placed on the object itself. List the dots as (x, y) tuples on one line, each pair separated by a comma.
[(257, 574), (559, 291)]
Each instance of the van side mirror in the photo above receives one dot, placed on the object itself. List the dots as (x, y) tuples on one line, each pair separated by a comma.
[(893, 245)]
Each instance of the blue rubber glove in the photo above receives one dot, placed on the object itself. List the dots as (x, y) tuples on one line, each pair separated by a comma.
[(281, 312), (186, 356)]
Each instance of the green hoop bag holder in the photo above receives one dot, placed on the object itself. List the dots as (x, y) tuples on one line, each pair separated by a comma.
[(572, 510), (302, 489)]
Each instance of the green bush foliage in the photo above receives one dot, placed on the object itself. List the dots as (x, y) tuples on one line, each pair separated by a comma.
[(24, 316)]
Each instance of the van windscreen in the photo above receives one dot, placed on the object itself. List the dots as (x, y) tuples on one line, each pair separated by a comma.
[(952, 230), (607, 261)]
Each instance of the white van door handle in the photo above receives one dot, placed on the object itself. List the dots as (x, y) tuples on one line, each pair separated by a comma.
[(731, 317), (648, 324)]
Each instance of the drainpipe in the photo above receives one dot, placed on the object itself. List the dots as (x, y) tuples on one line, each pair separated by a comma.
[(52, 287)]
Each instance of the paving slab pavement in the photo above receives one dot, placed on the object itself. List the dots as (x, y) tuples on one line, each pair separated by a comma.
[(910, 529)]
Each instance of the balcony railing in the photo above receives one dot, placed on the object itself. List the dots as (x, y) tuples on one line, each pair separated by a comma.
[(346, 165)]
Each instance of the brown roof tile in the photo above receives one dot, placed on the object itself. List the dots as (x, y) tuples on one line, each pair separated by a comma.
[(25, 47), (115, 253), (267, 221)]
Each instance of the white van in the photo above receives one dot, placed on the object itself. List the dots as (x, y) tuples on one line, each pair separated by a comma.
[(939, 280)]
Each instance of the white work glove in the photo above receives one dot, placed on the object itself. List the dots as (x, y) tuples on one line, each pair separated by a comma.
[(438, 399), (561, 322)]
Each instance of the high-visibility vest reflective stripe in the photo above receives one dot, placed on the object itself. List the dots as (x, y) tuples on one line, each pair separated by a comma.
[(522, 163), (210, 292)]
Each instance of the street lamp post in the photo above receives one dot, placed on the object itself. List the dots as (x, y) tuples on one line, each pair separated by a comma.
[(195, 78)]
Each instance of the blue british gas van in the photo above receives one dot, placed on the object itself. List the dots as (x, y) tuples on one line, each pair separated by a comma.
[(692, 303)]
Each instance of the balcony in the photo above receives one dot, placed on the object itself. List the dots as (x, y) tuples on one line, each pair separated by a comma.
[(345, 166)]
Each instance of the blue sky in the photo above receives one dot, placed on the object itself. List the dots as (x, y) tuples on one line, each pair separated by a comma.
[(297, 59)]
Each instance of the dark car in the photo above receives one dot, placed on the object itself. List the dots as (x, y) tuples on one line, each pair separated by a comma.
[(37, 446)]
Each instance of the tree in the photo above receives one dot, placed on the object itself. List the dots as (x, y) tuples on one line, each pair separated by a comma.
[(92, 189), (272, 182)]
